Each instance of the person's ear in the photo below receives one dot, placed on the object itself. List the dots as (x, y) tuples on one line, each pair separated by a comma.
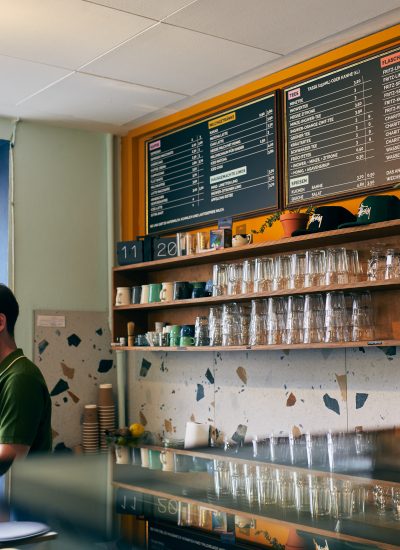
[(3, 323)]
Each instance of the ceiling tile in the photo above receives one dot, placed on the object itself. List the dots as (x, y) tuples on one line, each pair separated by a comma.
[(21, 78), (154, 9), (84, 97), (278, 26), (177, 59), (64, 33)]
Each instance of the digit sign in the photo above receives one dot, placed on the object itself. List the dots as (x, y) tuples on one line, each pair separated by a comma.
[(129, 252), (164, 247), (129, 502)]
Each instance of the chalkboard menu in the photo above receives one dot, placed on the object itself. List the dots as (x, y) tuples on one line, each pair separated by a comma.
[(343, 131), (222, 166)]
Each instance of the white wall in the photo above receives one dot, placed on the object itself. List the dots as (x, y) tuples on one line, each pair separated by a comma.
[(60, 222)]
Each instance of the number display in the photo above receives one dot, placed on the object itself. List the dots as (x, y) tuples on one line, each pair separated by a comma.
[(129, 252)]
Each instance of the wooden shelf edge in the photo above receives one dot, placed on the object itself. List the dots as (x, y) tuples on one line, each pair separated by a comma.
[(281, 347), (244, 513), (372, 231), (391, 284)]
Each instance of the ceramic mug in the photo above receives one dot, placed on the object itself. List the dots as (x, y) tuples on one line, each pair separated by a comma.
[(136, 294), (187, 330), (240, 239), (144, 299), (167, 461), (154, 460), (174, 335), (123, 296), (167, 292), (154, 292), (186, 341), (182, 290), (144, 457)]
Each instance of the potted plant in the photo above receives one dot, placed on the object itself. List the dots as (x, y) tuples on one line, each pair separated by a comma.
[(292, 219), (123, 439)]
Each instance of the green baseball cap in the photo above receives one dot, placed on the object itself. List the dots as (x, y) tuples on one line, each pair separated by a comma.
[(374, 209)]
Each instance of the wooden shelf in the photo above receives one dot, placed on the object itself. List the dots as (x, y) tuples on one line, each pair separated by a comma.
[(328, 527), (323, 239), (392, 284), (322, 345)]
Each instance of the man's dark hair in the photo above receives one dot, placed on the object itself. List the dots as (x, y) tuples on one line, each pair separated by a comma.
[(9, 307)]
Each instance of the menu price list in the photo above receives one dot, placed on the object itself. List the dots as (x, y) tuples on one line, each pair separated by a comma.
[(222, 166), (343, 131)]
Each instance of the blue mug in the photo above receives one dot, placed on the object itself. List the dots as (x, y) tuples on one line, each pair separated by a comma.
[(187, 330)]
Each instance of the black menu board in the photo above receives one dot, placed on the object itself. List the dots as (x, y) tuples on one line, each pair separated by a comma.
[(222, 166), (343, 131)]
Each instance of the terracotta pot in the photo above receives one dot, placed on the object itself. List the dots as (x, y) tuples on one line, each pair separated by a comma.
[(294, 541), (293, 222)]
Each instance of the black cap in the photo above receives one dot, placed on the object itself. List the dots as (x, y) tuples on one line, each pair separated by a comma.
[(326, 218)]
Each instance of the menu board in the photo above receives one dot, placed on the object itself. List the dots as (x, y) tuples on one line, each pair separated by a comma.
[(343, 131), (222, 166)]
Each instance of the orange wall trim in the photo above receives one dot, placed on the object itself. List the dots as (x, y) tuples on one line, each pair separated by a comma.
[(133, 182)]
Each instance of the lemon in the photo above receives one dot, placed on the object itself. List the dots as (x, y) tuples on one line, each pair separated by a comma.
[(136, 429)]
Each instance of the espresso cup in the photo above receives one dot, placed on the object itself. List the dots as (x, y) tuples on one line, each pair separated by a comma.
[(187, 330), (144, 298), (154, 292), (167, 292), (240, 239), (174, 335), (186, 341), (136, 294), (182, 290), (167, 461), (123, 296)]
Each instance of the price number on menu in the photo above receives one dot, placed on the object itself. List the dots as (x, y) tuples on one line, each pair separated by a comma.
[(165, 508), (129, 252), (164, 247)]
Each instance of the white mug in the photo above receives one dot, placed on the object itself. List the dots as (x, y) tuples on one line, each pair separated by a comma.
[(167, 461), (167, 292), (144, 457), (241, 239), (123, 296), (144, 299)]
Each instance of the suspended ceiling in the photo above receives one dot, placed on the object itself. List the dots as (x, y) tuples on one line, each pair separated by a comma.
[(112, 65)]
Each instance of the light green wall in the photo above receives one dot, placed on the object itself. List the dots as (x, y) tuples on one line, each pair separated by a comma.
[(60, 222)]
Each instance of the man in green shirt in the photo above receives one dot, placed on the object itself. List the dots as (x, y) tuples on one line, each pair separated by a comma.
[(25, 404)]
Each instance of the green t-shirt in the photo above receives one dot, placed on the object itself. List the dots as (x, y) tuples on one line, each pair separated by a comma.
[(25, 404)]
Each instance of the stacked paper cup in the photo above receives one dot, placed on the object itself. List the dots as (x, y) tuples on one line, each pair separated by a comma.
[(90, 429), (106, 413)]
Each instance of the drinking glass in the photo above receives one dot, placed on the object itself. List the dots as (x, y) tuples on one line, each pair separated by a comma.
[(286, 489), (215, 326), (297, 449), (222, 479), (336, 266), (317, 450), (376, 268), (336, 321), (276, 320), (258, 323), (230, 325), (315, 268), (396, 503), (342, 501), (244, 323), (303, 489), (267, 489), (281, 280), (294, 320), (235, 276), (201, 241), (250, 480), (220, 279), (362, 322), (320, 497), (248, 276), (298, 270), (355, 273), (264, 274), (313, 321), (392, 269), (181, 244), (201, 331), (260, 448)]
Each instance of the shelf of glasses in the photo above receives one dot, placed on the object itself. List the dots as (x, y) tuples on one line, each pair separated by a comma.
[(391, 284), (321, 345), (367, 528), (323, 239), (245, 456)]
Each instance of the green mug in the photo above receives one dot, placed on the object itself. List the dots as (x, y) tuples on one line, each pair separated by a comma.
[(175, 335), (154, 460), (186, 341), (154, 292)]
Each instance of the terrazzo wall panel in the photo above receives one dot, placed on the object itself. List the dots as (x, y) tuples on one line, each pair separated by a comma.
[(276, 391), (74, 360)]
